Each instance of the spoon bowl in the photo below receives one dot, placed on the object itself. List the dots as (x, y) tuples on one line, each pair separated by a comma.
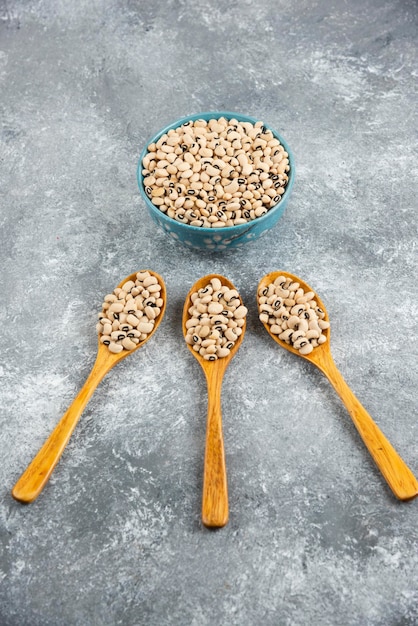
[(38, 472), (397, 474), (215, 511)]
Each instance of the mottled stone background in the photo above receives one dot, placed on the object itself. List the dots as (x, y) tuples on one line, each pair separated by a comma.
[(315, 536)]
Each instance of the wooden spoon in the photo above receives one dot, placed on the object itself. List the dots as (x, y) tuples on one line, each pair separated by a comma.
[(215, 491), (37, 474), (397, 474)]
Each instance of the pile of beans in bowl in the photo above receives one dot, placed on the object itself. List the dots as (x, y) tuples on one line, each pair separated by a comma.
[(216, 173)]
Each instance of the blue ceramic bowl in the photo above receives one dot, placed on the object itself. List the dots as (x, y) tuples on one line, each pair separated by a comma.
[(216, 238)]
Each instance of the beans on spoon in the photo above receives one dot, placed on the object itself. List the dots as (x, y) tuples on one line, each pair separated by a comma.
[(37, 474), (223, 345), (316, 349)]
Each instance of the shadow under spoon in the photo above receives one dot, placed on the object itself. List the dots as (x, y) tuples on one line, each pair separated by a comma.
[(38, 472), (397, 474), (215, 511)]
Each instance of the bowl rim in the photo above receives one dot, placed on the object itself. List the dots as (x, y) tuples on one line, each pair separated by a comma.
[(206, 115)]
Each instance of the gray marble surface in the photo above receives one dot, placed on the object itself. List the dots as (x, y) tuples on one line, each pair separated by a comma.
[(315, 535)]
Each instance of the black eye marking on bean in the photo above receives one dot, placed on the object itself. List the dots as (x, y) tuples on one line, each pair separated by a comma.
[(191, 192), (241, 181), (195, 338), (277, 198), (229, 345), (106, 342), (148, 191), (247, 214), (211, 198), (115, 316), (211, 358)]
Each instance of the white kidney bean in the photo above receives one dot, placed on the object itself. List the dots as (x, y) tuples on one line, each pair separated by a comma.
[(128, 343), (230, 334), (214, 308), (115, 347), (145, 327), (115, 307), (128, 314), (306, 349), (107, 328), (298, 321), (240, 312), (214, 332)]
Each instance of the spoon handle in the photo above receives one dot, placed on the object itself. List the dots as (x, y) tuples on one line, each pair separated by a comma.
[(397, 474), (37, 474), (215, 490)]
